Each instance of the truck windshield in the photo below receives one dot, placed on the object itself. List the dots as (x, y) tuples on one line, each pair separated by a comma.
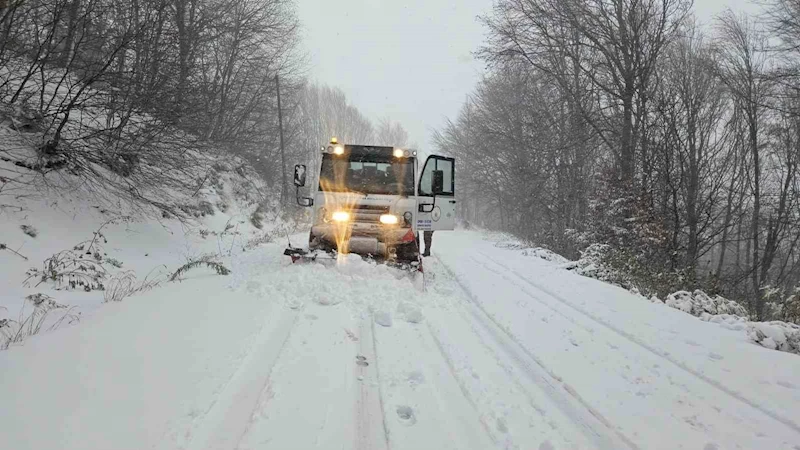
[(368, 174)]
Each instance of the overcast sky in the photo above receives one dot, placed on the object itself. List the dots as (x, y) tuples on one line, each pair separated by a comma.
[(407, 59)]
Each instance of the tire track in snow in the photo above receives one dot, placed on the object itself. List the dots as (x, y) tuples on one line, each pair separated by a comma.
[(438, 412), (370, 417), (594, 426), (464, 391), (227, 418), (638, 342)]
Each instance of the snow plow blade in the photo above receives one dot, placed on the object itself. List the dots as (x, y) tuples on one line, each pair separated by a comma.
[(300, 255), (412, 268)]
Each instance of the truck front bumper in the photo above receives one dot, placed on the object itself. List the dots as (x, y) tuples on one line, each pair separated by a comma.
[(363, 239)]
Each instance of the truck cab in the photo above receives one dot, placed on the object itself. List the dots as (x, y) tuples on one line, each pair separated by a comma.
[(373, 200)]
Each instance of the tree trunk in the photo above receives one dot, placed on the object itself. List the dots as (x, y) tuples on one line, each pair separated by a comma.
[(184, 26), (626, 162), (692, 185), (754, 230), (72, 25), (728, 216)]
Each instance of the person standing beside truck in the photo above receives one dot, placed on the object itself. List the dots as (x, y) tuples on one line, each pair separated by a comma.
[(428, 237)]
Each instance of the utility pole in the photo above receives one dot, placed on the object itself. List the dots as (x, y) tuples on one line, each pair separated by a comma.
[(280, 132)]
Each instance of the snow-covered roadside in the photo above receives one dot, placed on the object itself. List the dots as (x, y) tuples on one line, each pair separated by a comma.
[(774, 335), (130, 368), (50, 216), (651, 371)]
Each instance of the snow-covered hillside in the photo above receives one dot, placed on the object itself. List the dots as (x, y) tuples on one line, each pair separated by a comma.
[(58, 238), (503, 350)]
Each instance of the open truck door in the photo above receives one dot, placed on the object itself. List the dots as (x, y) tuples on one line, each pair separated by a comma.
[(436, 195)]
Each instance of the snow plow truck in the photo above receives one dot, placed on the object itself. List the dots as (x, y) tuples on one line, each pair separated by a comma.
[(373, 201)]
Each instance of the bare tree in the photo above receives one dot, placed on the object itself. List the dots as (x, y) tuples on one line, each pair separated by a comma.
[(691, 107), (116, 83), (390, 133), (743, 69), (614, 43)]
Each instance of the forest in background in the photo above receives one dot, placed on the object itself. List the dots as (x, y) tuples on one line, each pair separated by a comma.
[(131, 96), (624, 130)]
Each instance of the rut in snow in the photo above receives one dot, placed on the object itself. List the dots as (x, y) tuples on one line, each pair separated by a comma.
[(634, 340), (591, 422)]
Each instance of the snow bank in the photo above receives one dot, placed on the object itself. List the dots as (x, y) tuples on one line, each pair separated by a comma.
[(775, 335), (729, 321), (698, 303), (727, 313), (52, 220), (509, 242), (545, 254)]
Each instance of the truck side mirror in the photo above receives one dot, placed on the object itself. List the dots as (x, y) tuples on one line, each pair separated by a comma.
[(300, 175), (438, 182)]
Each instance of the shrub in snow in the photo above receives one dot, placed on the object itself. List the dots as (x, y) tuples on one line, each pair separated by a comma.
[(206, 208), (29, 230), (545, 254), (214, 179), (201, 209), (206, 261), (24, 118), (81, 267), (775, 335), (730, 321), (258, 240), (30, 324), (84, 266), (125, 284), (258, 216), (785, 308), (595, 263), (510, 242), (698, 303), (123, 163), (114, 262), (44, 301)]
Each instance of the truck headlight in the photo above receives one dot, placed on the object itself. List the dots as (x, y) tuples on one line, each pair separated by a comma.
[(340, 216), (389, 219)]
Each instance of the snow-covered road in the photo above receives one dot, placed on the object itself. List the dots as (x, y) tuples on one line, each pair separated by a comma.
[(503, 350)]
